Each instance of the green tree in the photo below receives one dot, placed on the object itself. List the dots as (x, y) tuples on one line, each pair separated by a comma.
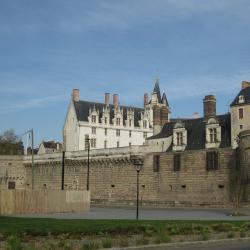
[(10, 143)]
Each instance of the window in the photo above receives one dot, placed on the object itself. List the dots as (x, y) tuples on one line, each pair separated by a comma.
[(144, 124), (129, 144), (241, 113), (118, 132), (130, 122), (118, 121), (106, 120), (177, 162), (11, 185), (241, 126), (93, 130), (130, 133), (118, 144), (105, 131), (179, 136), (93, 142), (212, 135), (93, 118), (212, 160), (86, 141), (105, 144), (156, 163), (144, 134)]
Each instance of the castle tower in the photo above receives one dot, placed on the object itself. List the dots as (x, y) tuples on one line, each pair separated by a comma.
[(240, 113), (159, 108)]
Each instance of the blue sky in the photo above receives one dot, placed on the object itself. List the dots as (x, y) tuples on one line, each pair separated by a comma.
[(49, 47)]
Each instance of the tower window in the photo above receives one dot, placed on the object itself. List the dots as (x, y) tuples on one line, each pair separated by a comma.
[(144, 124), (130, 133), (106, 120), (93, 130), (241, 113), (105, 144), (105, 131), (118, 144)]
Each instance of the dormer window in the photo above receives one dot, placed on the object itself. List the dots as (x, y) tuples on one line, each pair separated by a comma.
[(241, 99), (130, 122), (179, 137), (93, 118), (213, 133), (118, 121)]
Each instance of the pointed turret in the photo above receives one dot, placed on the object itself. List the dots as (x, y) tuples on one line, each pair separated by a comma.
[(157, 91), (164, 99)]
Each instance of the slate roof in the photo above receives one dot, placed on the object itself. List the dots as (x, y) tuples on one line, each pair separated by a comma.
[(196, 132), (244, 92), (82, 111), (157, 90), (50, 144)]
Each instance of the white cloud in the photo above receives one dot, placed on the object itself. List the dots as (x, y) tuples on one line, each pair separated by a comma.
[(33, 103)]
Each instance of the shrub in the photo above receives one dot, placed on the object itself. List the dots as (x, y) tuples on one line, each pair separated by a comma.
[(142, 241), (222, 227), (107, 243), (90, 245), (242, 234), (230, 235), (204, 236), (67, 245), (123, 243), (13, 243)]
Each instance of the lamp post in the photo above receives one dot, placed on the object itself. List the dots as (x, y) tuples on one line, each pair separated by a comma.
[(138, 169), (87, 143), (138, 163)]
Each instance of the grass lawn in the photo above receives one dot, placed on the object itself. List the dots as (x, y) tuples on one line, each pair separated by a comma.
[(34, 226), (33, 233)]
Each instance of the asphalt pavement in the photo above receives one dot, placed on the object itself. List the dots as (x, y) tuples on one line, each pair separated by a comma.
[(147, 214)]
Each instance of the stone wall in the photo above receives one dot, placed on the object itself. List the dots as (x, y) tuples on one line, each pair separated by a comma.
[(12, 171), (113, 177)]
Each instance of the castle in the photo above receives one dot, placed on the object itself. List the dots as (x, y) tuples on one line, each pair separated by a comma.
[(186, 162), (112, 125)]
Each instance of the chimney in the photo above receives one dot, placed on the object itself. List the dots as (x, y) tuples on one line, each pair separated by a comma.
[(209, 105), (196, 115), (76, 95), (245, 84), (106, 100), (145, 100), (115, 100)]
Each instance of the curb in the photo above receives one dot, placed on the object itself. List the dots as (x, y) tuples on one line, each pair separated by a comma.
[(180, 244)]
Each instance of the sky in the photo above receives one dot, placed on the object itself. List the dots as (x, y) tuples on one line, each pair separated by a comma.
[(49, 47)]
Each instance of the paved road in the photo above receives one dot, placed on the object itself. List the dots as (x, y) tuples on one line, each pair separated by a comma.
[(209, 246), (147, 214)]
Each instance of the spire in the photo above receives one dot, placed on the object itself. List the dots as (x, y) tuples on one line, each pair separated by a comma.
[(157, 89), (164, 99)]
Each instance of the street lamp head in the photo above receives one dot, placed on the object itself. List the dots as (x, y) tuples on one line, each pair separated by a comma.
[(138, 167)]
